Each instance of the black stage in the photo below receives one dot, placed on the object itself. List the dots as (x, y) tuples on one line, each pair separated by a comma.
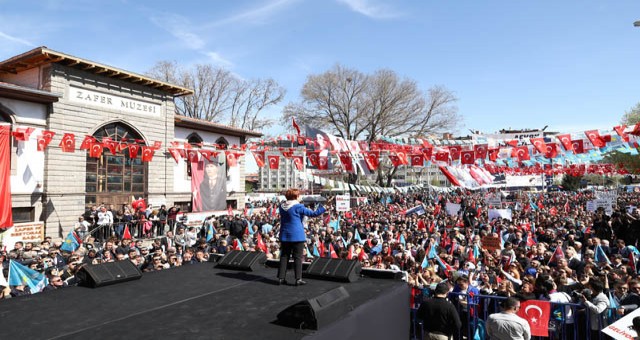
[(201, 302)]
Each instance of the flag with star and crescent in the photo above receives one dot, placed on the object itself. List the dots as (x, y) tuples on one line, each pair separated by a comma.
[(536, 313)]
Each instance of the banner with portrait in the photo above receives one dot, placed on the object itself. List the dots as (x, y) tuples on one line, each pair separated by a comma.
[(209, 185)]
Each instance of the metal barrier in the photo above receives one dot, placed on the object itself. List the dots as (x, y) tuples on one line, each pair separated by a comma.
[(568, 321)]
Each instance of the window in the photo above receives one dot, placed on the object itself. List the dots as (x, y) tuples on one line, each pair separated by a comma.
[(23, 214), (114, 178), (194, 140)]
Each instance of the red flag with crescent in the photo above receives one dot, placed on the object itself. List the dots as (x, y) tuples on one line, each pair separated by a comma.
[(521, 152), (314, 157), (209, 154), (345, 159), (274, 162), (537, 313), (551, 150), (133, 150), (467, 157), (44, 139), (87, 142), (22, 134), (595, 138), (175, 153), (480, 151), (442, 156), (493, 153), (68, 142), (96, 150), (395, 160), (565, 140), (577, 146), (539, 144), (620, 131), (110, 144), (454, 151), (193, 155), (417, 159), (372, 158), (298, 162), (323, 162), (147, 153), (232, 158), (427, 153), (259, 157)]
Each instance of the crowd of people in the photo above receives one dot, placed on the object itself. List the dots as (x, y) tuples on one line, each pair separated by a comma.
[(551, 248)]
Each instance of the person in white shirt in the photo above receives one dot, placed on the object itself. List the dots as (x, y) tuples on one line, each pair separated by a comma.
[(507, 325), (105, 221)]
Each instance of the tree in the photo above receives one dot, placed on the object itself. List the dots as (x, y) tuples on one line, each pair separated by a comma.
[(631, 163), (358, 106), (571, 183), (219, 95)]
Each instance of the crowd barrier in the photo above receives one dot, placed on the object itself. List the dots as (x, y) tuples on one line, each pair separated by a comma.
[(568, 321)]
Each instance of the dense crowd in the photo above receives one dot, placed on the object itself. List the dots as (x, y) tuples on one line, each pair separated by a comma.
[(551, 248)]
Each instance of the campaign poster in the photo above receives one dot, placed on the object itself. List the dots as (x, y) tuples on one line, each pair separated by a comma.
[(209, 185)]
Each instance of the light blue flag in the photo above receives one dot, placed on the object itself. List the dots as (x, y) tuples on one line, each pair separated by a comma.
[(70, 243), (476, 251), (402, 240), (20, 275), (315, 253), (306, 248), (377, 249), (425, 262), (432, 252), (600, 255), (634, 250), (335, 224), (250, 227), (356, 235), (210, 232)]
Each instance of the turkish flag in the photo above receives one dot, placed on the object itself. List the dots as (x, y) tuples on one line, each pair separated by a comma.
[(372, 159), (298, 162), (537, 313), (577, 146), (232, 158), (449, 176), (346, 161), (68, 142), (620, 131), (44, 139), (96, 150), (467, 157), (314, 157), (539, 144), (636, 130), (147, 153), (87, 142), (295, 125), (193, 155), (442, 156), (480, 151), (395, 160), (493, 154), (259, 157), (323, 162), (6, 217), (427, 153), (402, 156), (274, 162), (175, 153), (209, 154), (157, 145), (109, 144), (551, 150), (595, 138), (454, 151), (22, 134), (133, 150), (417, 159), (521, 152), (565, 140), (287, 153)]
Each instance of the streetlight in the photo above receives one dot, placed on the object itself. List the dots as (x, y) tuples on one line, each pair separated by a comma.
[(637, 23)]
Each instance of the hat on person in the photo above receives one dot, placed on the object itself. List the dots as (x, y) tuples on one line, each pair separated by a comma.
[(531, 271)]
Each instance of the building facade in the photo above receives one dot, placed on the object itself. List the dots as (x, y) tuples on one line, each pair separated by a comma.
[(51, 91)]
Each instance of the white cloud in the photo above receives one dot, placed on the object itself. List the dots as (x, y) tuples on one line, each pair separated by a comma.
[(217, 59), (16, 39), (179, 27), (371, 8), (254, 15)]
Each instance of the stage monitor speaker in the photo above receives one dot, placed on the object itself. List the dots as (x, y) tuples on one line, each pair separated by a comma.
[(382, 273), (242, 260), (98, 275), (333, 269), (316, 312)]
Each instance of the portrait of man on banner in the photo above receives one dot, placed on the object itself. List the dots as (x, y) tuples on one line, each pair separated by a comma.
[(209, 185)]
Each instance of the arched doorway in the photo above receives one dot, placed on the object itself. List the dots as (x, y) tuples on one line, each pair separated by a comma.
[(113, 179)]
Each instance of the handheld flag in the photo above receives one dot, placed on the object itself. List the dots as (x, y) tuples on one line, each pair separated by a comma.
[(600, 255), (210, 232), (425, 262), (557, 255), (20, 275), (126, 235), (332, 252), (306, 248), (315, 251), (70, 243)]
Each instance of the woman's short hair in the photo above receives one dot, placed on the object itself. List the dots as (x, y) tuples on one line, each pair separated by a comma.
[(292, 194)]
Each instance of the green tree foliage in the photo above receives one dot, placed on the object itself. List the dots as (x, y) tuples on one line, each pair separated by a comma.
[(571, 183)]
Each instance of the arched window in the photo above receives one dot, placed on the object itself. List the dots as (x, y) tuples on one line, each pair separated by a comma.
[(222, 143), (194, 139), (113, 179)]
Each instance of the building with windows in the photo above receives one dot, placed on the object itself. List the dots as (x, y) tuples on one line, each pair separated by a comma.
[(44, 90)]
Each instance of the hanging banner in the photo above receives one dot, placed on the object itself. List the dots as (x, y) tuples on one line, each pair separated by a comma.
[(24, 232), (208, 185), (6, 218)]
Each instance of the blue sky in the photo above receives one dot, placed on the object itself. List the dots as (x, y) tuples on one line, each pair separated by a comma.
[(572, 65)]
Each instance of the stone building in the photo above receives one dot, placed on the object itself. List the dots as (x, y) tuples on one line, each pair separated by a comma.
[(48, 90)]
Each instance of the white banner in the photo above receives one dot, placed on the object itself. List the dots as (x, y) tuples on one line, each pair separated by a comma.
[(343, 202), (25, 232), (606, 204), (500, 213), (524, 181), (621, 328), (452, 208)]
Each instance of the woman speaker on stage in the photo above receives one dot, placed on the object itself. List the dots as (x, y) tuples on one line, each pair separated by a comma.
[(292, 234)]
